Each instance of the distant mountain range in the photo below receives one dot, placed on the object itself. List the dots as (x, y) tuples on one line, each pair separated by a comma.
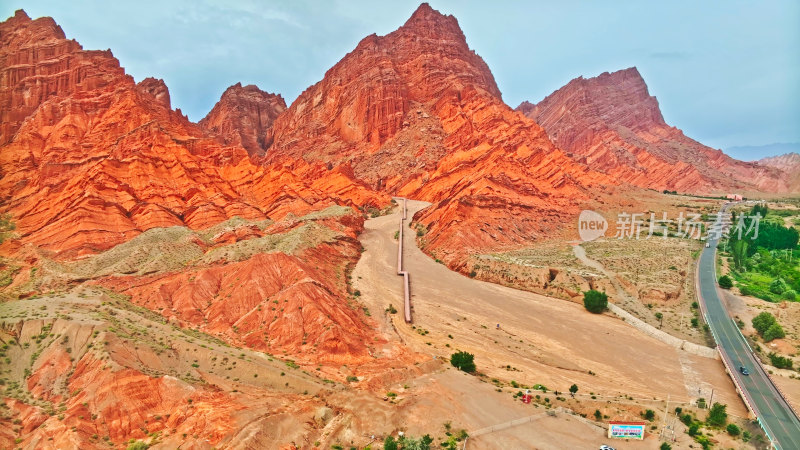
[(756, 152)]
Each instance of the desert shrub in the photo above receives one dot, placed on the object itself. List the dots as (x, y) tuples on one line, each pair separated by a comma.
[(725, 282), (733, 430), (6, 226), (595, 301), (775, 331), (410, 443), (138, 445), (745, 290), (780, 362)]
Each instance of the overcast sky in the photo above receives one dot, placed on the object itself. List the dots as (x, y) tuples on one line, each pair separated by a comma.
[(727, 73)]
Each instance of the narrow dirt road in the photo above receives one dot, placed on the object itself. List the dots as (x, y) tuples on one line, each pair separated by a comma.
[(540, 339)]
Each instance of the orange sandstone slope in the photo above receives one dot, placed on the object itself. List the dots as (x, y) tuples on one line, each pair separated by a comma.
[(614, 125), (417, 113), (94, 166), (90, 159), (98, 172)]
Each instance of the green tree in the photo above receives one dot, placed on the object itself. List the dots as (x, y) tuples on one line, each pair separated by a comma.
[(649, 414), (774, 236), (573, 389), (733, 430), (760, 209), (595, 301), (763, 321), (717, 416), (775, 331), (739, 253), (463, 361), (725, 282), (598, 415), (389, 443), (778, 286), (665, 446), (790, 295)]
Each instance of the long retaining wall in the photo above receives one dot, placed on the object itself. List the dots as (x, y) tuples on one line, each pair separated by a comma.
[(639, 324), (646, 328), (400, 271)]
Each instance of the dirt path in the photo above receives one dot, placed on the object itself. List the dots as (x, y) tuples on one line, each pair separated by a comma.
[(540, 339), (642, 326)]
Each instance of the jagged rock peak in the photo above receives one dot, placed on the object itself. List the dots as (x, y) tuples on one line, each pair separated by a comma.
[(157, 89), (243, 115)]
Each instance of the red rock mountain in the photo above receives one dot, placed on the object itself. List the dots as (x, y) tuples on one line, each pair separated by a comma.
[(91, 159), (418, 113), (242, 117), (615, 126), (100, 174), (372, 108)]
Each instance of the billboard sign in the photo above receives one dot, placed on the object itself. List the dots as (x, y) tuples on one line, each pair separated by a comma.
[(626, 430)]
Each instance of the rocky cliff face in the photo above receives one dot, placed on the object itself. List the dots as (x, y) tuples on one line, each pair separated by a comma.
[(375, 108), (614, 125), (418, 113), (38, 63), (242, 117), (91, 159)]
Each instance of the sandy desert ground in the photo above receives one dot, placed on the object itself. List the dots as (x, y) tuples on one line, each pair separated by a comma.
[(540, 340)]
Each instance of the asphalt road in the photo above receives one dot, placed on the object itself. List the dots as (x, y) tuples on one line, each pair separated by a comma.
[(774, 413)]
